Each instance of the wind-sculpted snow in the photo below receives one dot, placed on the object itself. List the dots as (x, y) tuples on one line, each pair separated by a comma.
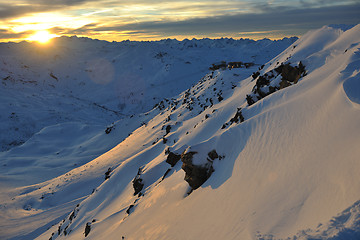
[(352, 83), (345, 225), (205, 164)]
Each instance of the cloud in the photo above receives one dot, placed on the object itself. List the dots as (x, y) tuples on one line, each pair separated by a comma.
[(271, 18), (6, 34), (10, 11), (84, 30), (62, 2), (16, 8), (134, 19)]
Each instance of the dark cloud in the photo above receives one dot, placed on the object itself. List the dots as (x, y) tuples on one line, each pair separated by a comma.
[(62, 2), (11, 10), (292, 20), (84, 30), (6, 34)]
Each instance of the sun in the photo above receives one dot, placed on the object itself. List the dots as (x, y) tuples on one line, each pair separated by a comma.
[(42, 37)]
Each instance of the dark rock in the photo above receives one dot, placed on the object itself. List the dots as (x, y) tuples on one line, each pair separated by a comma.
[(262, 81), (129, 209), (107, 174), (213, 155), (255, 75), (279, 68), (108, 129), (137, 183), (221, 65), (87, 229), (72, 216), (284, 84), (173, 158), (168, 129), (289, 75), (249, 100), (261, 93), (238, 117), (195, 175), (272, 89)]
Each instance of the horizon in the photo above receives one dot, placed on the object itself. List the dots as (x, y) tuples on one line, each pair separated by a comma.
[(139, 20), (155, 40)]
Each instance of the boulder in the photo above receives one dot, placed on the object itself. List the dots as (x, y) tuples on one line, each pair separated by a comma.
[(129, 209), (173, 158), (168, 129), (107, 173), (196, 175), (87, 229), (213, 155), (249, 100), (137, 185), (138, 182)]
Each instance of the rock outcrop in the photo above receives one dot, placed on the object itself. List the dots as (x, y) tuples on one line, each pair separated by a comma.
[(173, 158), (138, 183), (281, 77), (197, 174)]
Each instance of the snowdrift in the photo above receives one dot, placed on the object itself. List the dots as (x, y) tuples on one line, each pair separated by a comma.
[(268, 152)]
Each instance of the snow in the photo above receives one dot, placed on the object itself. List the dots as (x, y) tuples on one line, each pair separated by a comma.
[(102, 82), (289, 170)]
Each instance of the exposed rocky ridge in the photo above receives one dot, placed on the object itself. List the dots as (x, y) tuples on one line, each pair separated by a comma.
[(173, 158), (280, 77), (138, 183)]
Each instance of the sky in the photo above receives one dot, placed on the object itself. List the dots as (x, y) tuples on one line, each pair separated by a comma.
[(117, 20)]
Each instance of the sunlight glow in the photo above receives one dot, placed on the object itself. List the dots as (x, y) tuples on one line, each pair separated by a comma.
[(153, 20), (42, 21), (42, 37)]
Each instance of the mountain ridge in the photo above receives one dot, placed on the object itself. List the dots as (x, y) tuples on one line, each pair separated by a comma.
[(283, 164)]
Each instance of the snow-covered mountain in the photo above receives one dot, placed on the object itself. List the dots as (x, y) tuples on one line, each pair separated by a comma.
[(97, 82), (264, 151)]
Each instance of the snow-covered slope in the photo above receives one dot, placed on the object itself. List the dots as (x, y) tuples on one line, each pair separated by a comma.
[(97, 82), (270, 152), (59, 104)]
